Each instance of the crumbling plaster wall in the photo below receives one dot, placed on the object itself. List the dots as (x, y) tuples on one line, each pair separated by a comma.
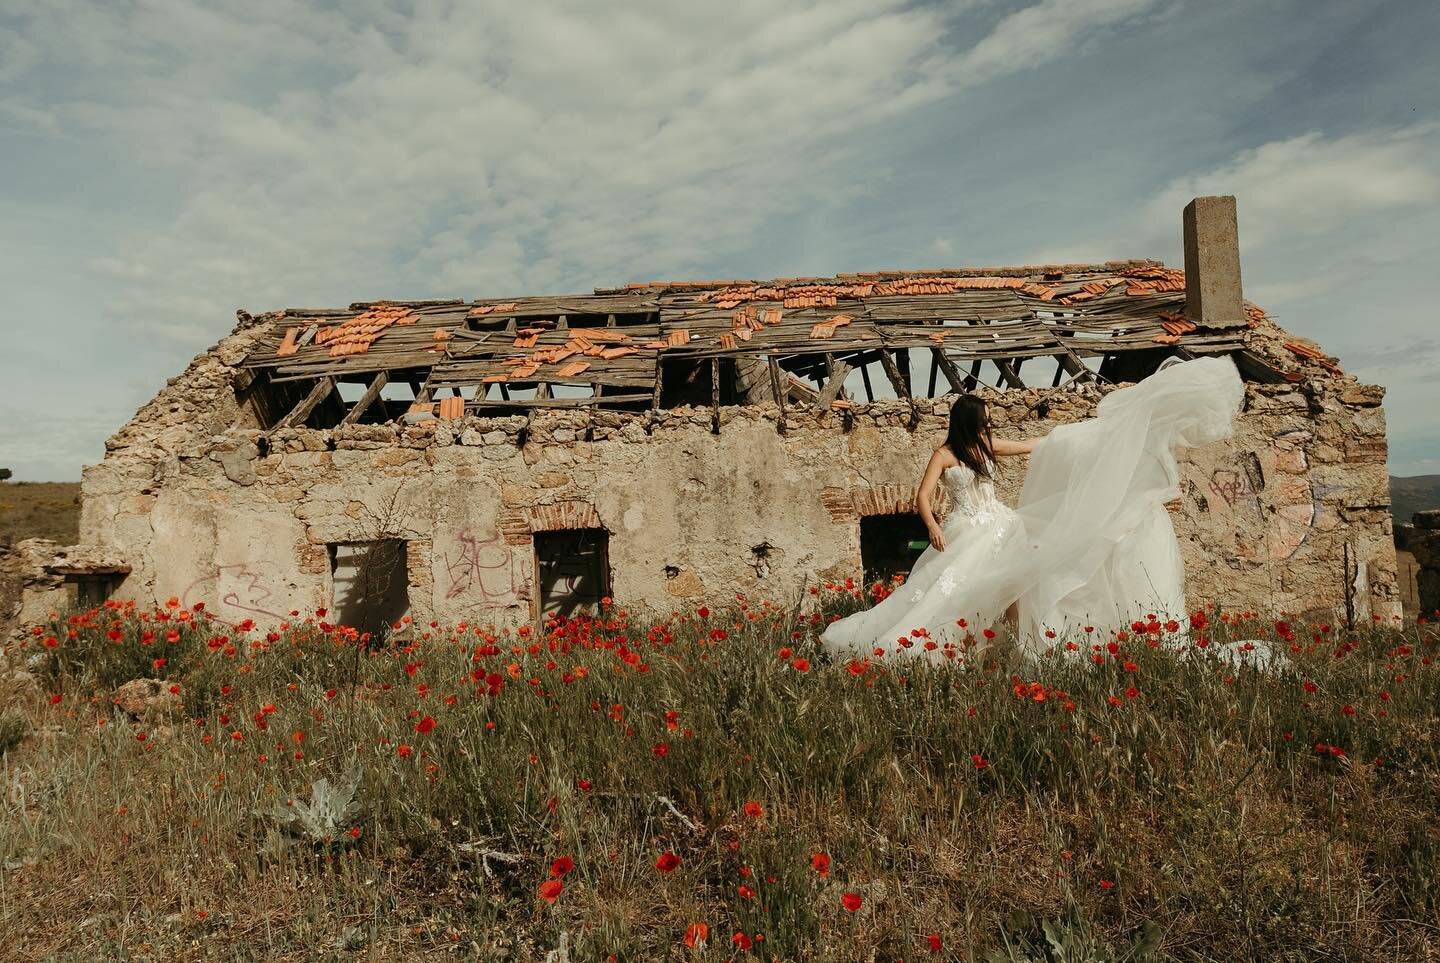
[(1290, 516)]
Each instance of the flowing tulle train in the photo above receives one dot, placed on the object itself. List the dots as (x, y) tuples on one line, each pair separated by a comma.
[(1091, 542)]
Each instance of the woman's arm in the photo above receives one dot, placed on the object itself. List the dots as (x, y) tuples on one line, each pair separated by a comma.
[(1006, 447), (938, 463)]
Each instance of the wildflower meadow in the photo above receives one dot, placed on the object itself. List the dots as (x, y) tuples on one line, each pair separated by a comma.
[(709, 786)]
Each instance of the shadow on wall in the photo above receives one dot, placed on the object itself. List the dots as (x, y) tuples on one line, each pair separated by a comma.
[(1417, 548)]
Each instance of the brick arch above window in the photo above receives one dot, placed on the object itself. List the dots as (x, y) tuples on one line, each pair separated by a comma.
[(518, 524), (848, 504)]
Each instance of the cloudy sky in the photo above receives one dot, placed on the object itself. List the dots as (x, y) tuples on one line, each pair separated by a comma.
[(163, 162)]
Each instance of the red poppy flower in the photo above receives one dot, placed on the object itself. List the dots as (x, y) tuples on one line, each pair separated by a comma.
[(754, 810), (801, 665), (550, 890), (696, 933), (820, 862), (980, 762), (667, 862), (933, 941), (742, 941), (851, 901), (745, 891), (562, 866), (425, 725), (661, 749)]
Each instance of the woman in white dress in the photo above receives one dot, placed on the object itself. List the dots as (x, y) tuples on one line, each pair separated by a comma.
[(933, 597), (1090, 543)]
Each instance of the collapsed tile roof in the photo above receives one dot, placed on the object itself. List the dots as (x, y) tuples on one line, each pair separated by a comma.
[(617, 337)]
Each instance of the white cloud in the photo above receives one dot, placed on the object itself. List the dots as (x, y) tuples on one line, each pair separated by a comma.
[(1312, 184), (297, 152), (1330, 231)]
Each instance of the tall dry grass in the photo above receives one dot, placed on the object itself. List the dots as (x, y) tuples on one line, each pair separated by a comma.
[(634, 786)]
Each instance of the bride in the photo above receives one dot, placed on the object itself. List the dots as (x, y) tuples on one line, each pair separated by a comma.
[(1090, 543)]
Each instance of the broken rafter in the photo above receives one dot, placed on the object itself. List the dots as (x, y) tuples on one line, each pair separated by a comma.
[(301, 411), (952, 373), (715, 394), (774, 366), (834, 383), (367, 399), (901, 385), (1008, 373)]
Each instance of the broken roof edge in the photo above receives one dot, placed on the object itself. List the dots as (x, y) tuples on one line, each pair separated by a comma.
[(246, 319), (1012, 270)]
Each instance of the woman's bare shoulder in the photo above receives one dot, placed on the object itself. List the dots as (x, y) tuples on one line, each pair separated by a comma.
[(944, 455)]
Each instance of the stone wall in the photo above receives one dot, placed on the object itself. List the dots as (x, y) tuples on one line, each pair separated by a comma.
[(1420, 542), (1291, 516)]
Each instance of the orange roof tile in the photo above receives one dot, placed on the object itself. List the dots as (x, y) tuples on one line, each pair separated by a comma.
[(287, 346)]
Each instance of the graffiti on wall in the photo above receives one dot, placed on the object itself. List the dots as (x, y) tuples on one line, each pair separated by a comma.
[(483, 570), (1266, 499), (234, 587)]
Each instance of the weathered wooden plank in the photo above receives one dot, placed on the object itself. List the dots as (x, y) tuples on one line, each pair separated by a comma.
[(1008, 373), (715, 394), (367, 399), (865, 377), (302, 410), (834, 386), (952, 373), (892, 372), (775, 390), (561, 402)]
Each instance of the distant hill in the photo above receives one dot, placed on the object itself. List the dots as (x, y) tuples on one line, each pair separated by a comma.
[(1415, 494), (40, 510)]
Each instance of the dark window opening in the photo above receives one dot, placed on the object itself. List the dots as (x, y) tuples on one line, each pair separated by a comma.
[(370, 585), (90, 591), (573, 570), (890, 545)]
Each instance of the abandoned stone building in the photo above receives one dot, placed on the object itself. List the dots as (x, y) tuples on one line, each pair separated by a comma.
[(666, 443)]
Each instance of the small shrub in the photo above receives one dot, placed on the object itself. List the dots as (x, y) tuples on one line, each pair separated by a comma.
[(14, 727)]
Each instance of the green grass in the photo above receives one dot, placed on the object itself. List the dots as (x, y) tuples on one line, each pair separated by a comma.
[(1160, 804)]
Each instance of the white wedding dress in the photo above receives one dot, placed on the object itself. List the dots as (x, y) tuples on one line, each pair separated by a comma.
[(1090, 543), (934, 595)]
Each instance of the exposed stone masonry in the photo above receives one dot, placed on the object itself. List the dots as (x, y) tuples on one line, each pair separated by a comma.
[(1293, 515)]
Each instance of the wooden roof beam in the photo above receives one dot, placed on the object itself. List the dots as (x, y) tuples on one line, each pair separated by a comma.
[(834, 385), (901, 385), (1009, 374), (779, 395), (367, 399), (952, 373), (309, 403)]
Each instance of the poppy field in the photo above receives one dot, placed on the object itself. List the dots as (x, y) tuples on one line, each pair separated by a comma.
[(708, 785)]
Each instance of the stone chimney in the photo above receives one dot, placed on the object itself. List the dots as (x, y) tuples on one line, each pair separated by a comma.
[(1212, 262)]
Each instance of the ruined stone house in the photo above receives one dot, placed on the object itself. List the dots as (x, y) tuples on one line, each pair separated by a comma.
[(664, 443)]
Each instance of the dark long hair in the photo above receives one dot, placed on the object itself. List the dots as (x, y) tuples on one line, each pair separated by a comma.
[(969, 434)]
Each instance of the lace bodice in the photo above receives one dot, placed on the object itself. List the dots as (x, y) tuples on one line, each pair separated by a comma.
[(971, 496)]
